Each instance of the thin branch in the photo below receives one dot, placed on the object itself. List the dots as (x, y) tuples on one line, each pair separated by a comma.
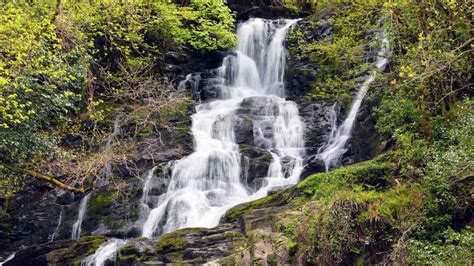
[(51, 180)]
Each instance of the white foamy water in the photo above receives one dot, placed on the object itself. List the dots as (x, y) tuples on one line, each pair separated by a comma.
[(106, 251), (9, 258), (147, 186), (76, 227), (207, 183), (336, 146)]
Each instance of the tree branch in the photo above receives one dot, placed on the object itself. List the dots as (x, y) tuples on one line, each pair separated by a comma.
[(51, 180)]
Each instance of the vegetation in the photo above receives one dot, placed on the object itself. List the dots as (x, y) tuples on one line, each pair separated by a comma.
[(73, 61)]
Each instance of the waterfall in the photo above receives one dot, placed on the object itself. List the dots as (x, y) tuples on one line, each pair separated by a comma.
[(335, 148), (105, 252), (76, 227), (205, 184), (60, 221)]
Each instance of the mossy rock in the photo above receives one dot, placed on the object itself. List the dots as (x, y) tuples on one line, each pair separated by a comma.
[(374, 173), (78, 250), (101, 201), (176, 240)]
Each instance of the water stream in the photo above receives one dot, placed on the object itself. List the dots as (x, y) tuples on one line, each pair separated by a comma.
[(76, 227), (147, 186), (58, 226), (336, 146), (105, 252), (207, 183)]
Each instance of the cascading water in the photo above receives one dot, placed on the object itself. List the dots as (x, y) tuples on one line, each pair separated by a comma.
[(109, 249), (335, 148), (207, 183), (105, 252), (147, 186), (76, 227)]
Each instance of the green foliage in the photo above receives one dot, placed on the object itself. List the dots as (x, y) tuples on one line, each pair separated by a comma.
[(211, 25), (59, 59), (341, 56), (425, 110), (36, 80), (448, 173), (41, 82), (455, 248), (290, 228)]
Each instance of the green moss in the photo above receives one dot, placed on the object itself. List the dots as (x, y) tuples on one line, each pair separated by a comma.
[(175, 240), (241, 209), (101, 201), (147, 131), (374, 173), (370, 173), (78, 250), (174, 257)]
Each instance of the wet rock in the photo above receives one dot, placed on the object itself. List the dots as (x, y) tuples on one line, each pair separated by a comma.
[(255, 163), (65, 198), (258, 106), (57, 253), (365, 142), (185, 246), (318, 118), (32, 217), (312, 164), (243, 130), (287, 163)]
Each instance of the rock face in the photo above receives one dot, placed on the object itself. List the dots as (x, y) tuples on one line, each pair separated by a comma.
[(302, 72), (254, 165)]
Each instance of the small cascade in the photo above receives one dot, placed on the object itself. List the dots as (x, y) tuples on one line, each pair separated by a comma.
[(107, 251), (9, 258), (76, 227), (147, 186), (208, 182), (336, 146), (60, 221)]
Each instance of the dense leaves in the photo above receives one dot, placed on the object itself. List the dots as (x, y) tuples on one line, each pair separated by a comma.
[(55, 56), (65, 63)]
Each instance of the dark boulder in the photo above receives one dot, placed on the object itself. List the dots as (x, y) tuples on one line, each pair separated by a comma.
[(254, 164), (312, 164), (243, 130), (319, 118)]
